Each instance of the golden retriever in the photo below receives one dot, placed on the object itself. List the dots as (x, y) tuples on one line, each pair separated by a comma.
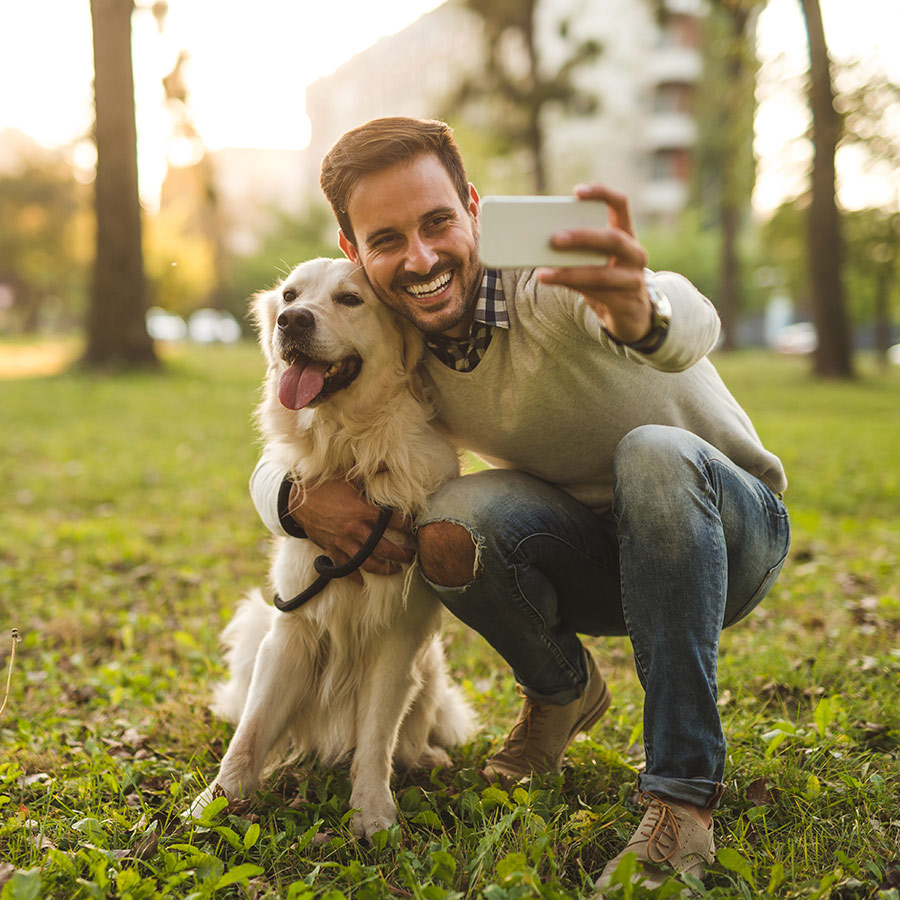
[(359, 670)]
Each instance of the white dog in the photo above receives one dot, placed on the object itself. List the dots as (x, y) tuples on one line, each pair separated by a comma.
[(360, 668)]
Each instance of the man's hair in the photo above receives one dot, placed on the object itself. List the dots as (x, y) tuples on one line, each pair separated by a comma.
[(382, 143)]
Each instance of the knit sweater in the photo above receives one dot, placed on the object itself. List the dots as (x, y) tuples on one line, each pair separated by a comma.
[(553, 394)]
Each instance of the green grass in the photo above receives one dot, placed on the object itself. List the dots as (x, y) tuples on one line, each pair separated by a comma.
[(128, 536)]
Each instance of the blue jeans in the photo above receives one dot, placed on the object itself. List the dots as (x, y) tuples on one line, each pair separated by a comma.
[(692, 544)]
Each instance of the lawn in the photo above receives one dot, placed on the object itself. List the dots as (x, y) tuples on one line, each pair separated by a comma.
[(128, 536)]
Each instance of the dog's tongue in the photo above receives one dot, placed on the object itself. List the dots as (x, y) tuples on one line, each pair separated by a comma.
[(301, 383)]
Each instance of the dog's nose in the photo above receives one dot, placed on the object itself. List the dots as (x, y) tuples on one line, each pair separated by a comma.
[(296, 321)]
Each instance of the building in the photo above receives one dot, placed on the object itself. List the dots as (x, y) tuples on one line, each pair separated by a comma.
[(639, 139)]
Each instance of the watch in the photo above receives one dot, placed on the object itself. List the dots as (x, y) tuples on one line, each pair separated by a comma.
[(661, 316)]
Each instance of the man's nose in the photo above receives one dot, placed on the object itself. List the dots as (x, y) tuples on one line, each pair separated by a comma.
[(420, 256)]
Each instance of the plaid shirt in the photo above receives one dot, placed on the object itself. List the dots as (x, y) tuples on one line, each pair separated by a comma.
[(463, 354)]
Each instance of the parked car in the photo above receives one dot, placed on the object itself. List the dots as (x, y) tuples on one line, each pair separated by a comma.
[(164, 326), (796, 340), (210, 326)]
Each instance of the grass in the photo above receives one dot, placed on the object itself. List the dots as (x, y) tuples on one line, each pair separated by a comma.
[(128, 535)]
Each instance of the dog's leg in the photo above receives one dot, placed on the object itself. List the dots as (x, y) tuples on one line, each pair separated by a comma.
[(387, 693), (281, 677)]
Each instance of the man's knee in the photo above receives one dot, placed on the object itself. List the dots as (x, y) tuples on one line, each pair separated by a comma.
[(448, 554)]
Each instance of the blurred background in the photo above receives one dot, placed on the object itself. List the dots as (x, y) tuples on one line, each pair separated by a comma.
[(758, 140)]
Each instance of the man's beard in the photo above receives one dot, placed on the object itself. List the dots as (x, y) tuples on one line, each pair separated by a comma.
[(442, 319)]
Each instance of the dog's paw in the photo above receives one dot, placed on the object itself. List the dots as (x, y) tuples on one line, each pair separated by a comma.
[(432, 758), (373, 816), (202, 800)]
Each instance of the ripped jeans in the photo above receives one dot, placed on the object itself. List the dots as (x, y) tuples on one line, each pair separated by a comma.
[(692, 544)]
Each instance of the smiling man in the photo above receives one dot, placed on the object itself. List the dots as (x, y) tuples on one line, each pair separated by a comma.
[(415, 239), (628, 494)]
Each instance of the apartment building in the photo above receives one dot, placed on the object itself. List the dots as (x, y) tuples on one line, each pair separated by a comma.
[(639, 138)]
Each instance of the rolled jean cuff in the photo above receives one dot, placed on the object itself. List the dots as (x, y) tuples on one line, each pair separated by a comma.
[(700, 792)]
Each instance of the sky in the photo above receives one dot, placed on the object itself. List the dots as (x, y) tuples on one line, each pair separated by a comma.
[(237, 58)]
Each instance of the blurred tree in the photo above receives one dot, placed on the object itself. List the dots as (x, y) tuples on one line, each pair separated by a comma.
[(693, 249), (873, 268), (116, 331), (870, 108), (43, 252), (834, 354), (179, 262), (783, 240), (512, 91), (202, 192), (291, 239), (724, 164)]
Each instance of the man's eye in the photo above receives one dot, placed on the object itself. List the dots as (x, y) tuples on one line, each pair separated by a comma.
[(348, 299), (289, 295)]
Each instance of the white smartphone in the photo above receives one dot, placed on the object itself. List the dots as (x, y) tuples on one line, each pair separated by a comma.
[(516, 231)]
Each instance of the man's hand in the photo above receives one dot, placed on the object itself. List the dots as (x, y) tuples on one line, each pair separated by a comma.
[(615, 290), (338, 518)]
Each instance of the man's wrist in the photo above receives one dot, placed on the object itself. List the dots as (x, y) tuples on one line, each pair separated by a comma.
[(660, 318), (288, 522)]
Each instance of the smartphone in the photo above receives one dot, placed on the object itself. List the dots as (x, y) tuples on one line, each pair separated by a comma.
[(516, 231)]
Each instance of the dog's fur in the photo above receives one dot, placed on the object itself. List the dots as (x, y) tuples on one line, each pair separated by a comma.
[(360, 669)]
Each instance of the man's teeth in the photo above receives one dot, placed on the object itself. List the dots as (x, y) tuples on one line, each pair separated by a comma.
[(433, 287)]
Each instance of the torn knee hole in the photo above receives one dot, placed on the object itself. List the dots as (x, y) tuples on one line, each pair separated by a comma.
[(448, 554)]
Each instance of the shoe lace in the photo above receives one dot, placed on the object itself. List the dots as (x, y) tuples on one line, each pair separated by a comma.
[(660, 828)]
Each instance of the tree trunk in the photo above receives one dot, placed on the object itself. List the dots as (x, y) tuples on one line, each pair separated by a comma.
[(882, 317), (833, 356), (729, 273), (116, 331)]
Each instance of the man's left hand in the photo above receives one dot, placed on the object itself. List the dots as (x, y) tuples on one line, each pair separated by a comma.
[(616, 290)]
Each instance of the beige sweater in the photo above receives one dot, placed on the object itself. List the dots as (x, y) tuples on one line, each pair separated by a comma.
[(553, 395)]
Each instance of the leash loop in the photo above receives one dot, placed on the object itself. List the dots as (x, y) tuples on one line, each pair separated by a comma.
[(327, 569)]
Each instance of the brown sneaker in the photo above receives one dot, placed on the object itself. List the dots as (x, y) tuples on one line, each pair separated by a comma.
[(667, 836), (542, 733)]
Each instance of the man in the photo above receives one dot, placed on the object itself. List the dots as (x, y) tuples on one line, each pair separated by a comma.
[(630, 494)]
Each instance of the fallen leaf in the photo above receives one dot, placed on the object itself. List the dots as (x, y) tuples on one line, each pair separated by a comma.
[(872, 731), (891, 876), (146, 847), (42, 842), (758, 792), (7, 870), (41, 777), (134, 738)]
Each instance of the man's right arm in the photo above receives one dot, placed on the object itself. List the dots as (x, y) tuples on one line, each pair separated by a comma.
[(333, 515)]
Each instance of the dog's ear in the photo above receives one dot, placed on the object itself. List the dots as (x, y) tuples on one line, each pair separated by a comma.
[(262, 312), (412, 346)]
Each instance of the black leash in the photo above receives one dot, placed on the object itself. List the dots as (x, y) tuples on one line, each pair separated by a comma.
[(327, 570)]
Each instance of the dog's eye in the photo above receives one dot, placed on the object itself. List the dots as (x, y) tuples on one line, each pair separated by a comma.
[(289, 295), (348, 299)]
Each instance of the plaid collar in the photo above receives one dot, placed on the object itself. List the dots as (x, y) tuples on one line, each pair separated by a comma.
[(464, 354)]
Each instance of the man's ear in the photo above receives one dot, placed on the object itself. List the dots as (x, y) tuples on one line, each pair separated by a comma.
[(474, 202), (347, 246)]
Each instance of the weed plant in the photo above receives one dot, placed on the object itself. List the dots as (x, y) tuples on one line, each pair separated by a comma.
[(128, 537)]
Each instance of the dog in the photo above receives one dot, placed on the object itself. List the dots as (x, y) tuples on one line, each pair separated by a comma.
[(359, 670)]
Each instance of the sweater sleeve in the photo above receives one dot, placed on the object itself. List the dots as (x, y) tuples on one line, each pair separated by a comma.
[(265, 491), (693, 329)]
